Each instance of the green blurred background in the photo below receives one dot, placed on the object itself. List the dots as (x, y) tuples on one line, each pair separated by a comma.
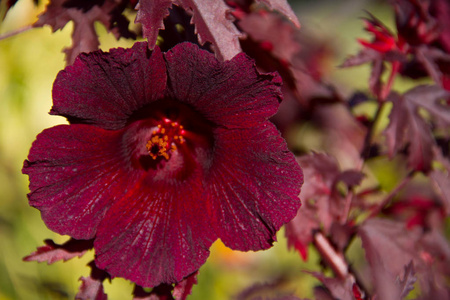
[(29, 63)]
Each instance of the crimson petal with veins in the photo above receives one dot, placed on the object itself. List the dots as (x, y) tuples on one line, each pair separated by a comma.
[(164, 154)]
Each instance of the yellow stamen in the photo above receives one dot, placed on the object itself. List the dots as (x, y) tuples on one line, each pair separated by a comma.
[(163, 139), (158, 146)]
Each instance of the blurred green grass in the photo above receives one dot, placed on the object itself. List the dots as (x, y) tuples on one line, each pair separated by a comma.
[(29, 63)]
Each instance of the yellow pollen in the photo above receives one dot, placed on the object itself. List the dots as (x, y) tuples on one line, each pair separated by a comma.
[(163, 139), (158, 146)]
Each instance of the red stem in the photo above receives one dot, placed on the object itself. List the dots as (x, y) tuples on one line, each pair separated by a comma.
[(388, 86), (333, 259)]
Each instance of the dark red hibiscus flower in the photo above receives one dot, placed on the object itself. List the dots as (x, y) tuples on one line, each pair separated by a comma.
[(164, 154)]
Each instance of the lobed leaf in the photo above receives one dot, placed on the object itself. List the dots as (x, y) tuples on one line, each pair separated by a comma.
[(184, 288), (91, 287), (214, 24), (364, 56), (408, 128), (340, 288), (388, 246), (322, 203), (151, 14), (53, 252), (430, 98), (84, 37)]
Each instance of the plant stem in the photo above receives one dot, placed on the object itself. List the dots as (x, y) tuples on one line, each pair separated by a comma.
[(14, 32), (388, 86), (336, 261), (333, 259), (365, 151)]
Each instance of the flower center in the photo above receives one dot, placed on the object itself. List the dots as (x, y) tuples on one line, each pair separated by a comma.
[(163, 139)]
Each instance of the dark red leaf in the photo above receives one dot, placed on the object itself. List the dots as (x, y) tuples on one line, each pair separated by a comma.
[(427, 57), (364, 56), (433, 267), (151, 14), (320, 171), (172, 35), (214, 23), (340, 288), (398, 243), (212, 19), (84, 37), (340, 235), (184, 288), (389, 246), (53, 252), (405, 127), (322, 203), (91, 287), (408, 127), (441, 10), (414, 23), (430, 98), (350, 178)]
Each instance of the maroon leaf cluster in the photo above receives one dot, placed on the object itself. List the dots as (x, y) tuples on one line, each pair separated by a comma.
[(324, 204), (83, 15), (214, 21), (418, 49), (402, 233), (409, 129)]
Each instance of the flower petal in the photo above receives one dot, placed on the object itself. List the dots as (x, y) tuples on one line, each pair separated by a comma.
[(74, 173), (104, 89), (229, 94), (158, 233), (254, 185)]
